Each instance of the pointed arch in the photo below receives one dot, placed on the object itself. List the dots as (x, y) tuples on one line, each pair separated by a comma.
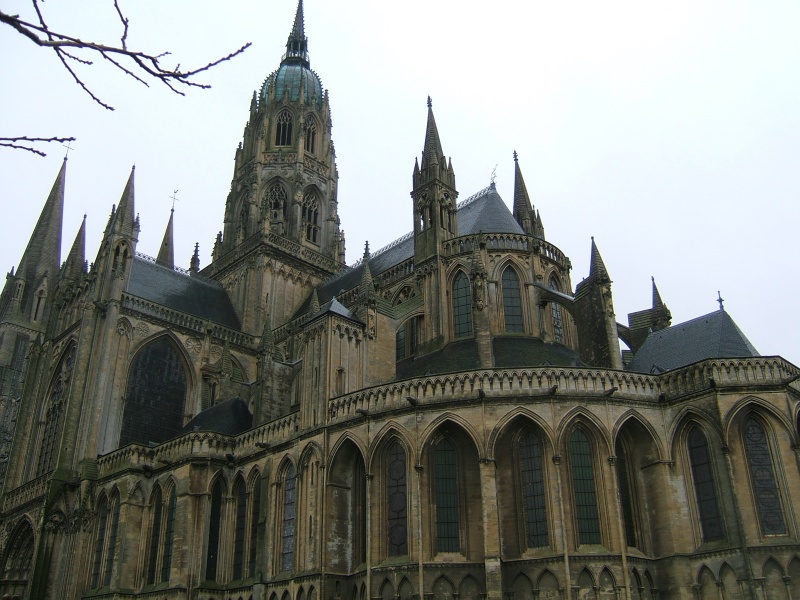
[(405, 591), (346, 524), (633, 415), (287, 517), (156, 516), (586, 585), (556, 315), (312, 214), (443, 588), (54, 408), (707, 584), (752, 404), (677, 430), (469, 589), (730, 585), (453, 420), (311, 128), (391, 429), (794, 574), (522, 587), (284, 123), (239, 526), (581, 416), (156, 392), (759, 453), (215, 516), (583, 466), (386, 590), (514, 418), (18, 560), (548, 584), (276, 204)]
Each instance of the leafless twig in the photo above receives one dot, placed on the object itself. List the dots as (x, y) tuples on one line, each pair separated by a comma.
[(139, 65), (26, 143)]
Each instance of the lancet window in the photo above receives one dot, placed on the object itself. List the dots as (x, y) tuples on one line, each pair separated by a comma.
[(762, 478), (214, 529), (311, 135), (288, 528), (705, 491), (283, 129), (462, 306), (105, 541), (531, 476), (276, 202), (397, 496), (311, 217), (587, 517), (557, 317), (162, 532), (54, 417), (512, 301), (445, 478)]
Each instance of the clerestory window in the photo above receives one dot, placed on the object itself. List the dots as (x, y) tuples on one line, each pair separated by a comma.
[(283, 129)]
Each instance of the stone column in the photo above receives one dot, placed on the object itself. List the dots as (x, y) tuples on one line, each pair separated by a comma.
[(491, 530)]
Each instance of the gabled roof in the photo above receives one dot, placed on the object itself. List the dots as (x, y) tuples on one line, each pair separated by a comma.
[(194, 295), (714, 335)]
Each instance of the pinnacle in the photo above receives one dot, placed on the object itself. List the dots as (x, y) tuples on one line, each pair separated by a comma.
[(166, 253), (522, 203), (597, 267)]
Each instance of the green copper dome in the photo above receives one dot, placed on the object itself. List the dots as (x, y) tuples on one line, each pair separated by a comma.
[(289, 79)]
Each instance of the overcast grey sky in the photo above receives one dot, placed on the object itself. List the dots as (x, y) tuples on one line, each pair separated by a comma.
[(670, 131)]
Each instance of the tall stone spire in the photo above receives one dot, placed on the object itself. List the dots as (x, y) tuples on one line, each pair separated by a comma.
[(597, 267), (432, 153), (166, 254), (44, 248), (523, 211), (75, 265), (123, 220), (297, 44)]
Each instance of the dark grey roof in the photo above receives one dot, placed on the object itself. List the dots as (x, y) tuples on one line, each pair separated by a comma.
[(194, 295), (337, 308), (485, 211), (714, 335), (532, 352), (230, 417)]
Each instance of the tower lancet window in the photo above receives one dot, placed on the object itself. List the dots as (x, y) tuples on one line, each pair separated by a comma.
[(555, 311), (283, 129), (311, 217), (462, 306), (311, 135), (276, 202)]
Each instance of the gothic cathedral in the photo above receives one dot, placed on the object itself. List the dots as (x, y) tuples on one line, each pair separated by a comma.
[(448, 418)]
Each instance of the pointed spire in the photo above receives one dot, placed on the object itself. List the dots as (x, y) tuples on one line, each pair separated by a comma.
[(297, 44), (166, 254), (75, 265), (432, 152), (314, 308), (123, 221), (43, 252), (657, 302), (523, 211), (194, 264), (267, 345), (597, 267)]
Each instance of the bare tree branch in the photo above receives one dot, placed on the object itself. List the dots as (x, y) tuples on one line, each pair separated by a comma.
[(26, 143), (142, 65)]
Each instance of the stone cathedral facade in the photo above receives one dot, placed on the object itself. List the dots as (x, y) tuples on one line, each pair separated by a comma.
[(449, 418)]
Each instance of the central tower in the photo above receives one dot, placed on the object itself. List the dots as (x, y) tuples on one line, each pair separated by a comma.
[(281, 232)]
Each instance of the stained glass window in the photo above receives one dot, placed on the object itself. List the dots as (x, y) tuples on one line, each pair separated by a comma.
[(240, 496), (555, 311), (397, 495), (255, 508), (155, 537), (400, 343), (446, 486), (283, 129), (54, 416), (704, 489), (586, 513), (169, 536), (762, 475), (512, 302), (311, 217), (214, 531), (289, 514), (626, 494), (462, 306), (533, 491)]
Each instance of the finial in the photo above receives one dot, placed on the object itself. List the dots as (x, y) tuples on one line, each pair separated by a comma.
[(366, 250), (69, 147), (430, 104), (720, 300), (174, 199), (493, 176), (515, 156), (653, 279)]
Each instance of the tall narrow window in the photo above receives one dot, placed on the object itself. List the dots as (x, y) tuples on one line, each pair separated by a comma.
[(169, 536), (240, 496), (311, 135), (289, 516), (533, 491), (155, 537), (626, 494), (255, 510), (16, 571), (762, 476), (111, 545), (99, 541), (397, 496), (704, 489), (155, 395), (555, 311), (462, 306), (311, 217), (214, 527), (53, 419), (283, 129), (512, 302), (400, 343), (446, 486), (586, 514)]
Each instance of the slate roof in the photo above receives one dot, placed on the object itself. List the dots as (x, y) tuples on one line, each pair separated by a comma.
[(714, 335), (194, 295), (532, 352), (337, 308), (483, 212), (230, 417)]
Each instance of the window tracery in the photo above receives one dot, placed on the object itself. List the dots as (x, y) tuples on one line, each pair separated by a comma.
[(283, 128), (446, 487), (705, 490), (289, 517), (556, 315), (512, 301), (462, 306), (310, 215), (587, 517), (53, 420), (762, 478), (311, 135), (529, 449), (397, 496)]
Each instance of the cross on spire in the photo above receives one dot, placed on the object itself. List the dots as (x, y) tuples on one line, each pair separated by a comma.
[(68, 147), (174, 199), (720, 299)]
